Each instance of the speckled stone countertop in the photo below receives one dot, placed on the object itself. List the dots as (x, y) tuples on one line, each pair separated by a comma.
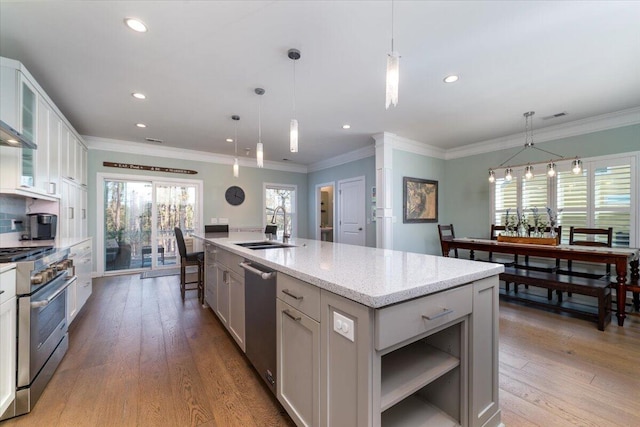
[(370, 276)]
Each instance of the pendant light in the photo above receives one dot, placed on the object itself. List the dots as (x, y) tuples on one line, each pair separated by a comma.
[(236, 166), (259, 147), (393, 71), (294, 55), (576, 165)]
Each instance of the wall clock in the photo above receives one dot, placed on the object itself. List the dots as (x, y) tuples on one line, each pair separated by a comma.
[(234, 195)]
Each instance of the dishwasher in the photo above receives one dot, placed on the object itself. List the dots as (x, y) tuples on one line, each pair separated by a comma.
[(260, 320)]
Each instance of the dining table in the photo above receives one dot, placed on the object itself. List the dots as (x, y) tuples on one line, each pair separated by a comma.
[(624, 259)]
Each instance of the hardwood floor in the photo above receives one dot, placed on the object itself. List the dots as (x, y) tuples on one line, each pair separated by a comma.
[(139, 356)]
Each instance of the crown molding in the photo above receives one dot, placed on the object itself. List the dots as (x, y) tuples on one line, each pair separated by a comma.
[(130, 147), (416, 147), (607, 121), (351, 156)]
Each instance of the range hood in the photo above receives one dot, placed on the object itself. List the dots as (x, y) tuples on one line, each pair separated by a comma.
[(12, 138)]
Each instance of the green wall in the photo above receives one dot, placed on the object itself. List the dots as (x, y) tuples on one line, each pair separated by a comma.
[(466, 187), (416, 237), (216, 179), (364, 167)]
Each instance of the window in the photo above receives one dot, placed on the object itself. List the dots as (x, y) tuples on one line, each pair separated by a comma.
[(602, 196), (276, 195)]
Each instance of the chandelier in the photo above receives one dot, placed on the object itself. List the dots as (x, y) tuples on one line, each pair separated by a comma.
[(576, 164)]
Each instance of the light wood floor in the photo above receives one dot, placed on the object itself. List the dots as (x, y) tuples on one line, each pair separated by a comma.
[(139, 356)]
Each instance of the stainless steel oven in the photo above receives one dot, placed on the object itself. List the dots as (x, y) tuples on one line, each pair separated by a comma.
[(43, 276)]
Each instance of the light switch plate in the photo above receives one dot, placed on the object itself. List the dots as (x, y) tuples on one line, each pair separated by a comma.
[(213, 221), (223, 220), (344, 326)]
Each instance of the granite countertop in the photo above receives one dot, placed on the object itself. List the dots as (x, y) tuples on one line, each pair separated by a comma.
[(373, 277)]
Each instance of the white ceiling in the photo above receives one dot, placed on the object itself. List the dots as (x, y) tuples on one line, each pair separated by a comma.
[(200, 61)]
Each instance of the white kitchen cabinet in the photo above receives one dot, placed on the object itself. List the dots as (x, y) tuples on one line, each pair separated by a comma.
[(8, 307), (61, 152), (298, 358), (72, 221), (298, 349), (210, 276), (80, 290), (230, 295)]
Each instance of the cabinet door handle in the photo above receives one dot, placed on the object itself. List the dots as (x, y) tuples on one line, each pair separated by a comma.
[(444, 312), (84, 214), (288, 313), (71, 212), (1, 292), (292, 295)]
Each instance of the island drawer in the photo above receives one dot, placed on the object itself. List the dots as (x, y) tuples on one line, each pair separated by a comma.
[(300, 295), (401, 322), (230, 261)]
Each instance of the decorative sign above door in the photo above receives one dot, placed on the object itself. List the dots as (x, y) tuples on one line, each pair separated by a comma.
[(148, 168)]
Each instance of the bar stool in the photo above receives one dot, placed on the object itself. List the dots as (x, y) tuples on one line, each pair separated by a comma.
[(186, 260)]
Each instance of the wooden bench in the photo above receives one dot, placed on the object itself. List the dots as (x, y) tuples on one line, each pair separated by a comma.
[(598, 288)]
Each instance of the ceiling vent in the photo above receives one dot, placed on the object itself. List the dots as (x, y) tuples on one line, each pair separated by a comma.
[(158, 141), (555, 116)]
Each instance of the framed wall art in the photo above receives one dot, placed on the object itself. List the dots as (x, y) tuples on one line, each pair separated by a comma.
[(420, 200)]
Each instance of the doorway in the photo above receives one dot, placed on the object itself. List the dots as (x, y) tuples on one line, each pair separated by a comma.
[(325, 212), (139, 215), (351, 211)]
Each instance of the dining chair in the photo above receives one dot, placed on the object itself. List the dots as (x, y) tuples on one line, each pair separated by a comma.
[(187, 260), (446, 233), (599, 237)]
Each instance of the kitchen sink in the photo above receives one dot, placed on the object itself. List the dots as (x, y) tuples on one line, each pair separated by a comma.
[(264, 245)]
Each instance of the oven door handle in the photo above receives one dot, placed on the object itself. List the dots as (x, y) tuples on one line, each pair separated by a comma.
[(56, 294)]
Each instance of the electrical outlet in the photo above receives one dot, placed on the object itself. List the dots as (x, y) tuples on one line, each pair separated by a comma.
[(344, 326)]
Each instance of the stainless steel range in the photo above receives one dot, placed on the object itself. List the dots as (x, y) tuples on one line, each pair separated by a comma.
[(43, 274)]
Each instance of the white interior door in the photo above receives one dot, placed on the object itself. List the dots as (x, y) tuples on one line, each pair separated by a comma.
[(351, 211)]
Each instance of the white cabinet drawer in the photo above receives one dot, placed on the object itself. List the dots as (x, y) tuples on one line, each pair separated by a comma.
[(300, 295), (230, 261), (7, 285), (400, 322)]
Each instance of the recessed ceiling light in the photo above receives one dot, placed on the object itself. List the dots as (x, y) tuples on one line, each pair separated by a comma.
[(141, 125), (139, 95), (229, 139), (12, 141), (135, 25), (451, 79), (346, 126)]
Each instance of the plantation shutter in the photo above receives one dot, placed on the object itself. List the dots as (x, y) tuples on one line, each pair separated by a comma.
[(506, 198), (612, 201)]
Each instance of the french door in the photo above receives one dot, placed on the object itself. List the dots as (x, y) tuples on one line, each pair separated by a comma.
[(139, 215)]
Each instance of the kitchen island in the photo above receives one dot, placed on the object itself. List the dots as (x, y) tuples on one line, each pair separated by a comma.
[(370, 337)]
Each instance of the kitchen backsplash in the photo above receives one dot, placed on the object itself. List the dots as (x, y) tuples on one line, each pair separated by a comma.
[(12, 207)]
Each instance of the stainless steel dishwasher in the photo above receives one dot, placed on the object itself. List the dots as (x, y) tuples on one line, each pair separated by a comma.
[(260, 320)]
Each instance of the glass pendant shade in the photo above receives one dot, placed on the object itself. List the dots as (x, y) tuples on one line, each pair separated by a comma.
[(508, 174), (528, 172), (551, 170), (260, 154), (393, 79), (236, 168), (576, 166), (492, 176), (293, 136)]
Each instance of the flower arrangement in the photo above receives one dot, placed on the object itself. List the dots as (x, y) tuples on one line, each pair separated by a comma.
[(539, 223)]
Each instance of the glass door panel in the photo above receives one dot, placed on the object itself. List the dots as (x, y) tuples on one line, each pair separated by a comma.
[(177, 206), (127, 225)]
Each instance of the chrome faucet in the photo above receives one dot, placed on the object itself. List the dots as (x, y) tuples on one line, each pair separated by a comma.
[(285, 236)]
